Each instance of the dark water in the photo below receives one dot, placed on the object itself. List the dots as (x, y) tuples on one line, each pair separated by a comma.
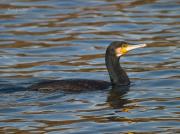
[(55, 39)]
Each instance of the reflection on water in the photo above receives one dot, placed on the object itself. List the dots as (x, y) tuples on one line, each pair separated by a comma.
[(55, 39)]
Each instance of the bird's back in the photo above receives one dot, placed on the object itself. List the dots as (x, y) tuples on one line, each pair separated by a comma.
[(70, 85)]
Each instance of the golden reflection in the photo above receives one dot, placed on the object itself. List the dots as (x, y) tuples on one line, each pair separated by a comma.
[(130, 133), (141, 2)]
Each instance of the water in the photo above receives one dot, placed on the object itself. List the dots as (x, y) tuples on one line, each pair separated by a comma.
[(55, 39)]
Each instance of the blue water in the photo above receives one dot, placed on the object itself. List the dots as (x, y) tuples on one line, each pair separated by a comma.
[(52, 39)]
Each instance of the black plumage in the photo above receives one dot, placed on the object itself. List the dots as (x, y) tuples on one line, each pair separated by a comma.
[(117, 75)]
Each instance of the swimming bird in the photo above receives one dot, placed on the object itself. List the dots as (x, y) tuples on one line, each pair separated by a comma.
[(118, 76)]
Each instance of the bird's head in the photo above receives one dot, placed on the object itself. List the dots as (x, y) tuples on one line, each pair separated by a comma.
[(119, 48)]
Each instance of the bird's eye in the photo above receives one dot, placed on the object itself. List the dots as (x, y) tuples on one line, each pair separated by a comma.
[(124, 45)]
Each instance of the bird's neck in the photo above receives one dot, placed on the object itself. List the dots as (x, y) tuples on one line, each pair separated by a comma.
[(117, 75)]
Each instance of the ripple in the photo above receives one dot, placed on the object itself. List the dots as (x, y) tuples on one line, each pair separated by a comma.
[(42, 40)]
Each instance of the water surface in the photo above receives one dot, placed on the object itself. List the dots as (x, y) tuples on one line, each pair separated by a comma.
[(57, 39)]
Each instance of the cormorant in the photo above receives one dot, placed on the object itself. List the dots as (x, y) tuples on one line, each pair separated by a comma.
[(118, 76)]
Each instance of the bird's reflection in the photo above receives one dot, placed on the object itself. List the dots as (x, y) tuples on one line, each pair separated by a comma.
[(116, 94)]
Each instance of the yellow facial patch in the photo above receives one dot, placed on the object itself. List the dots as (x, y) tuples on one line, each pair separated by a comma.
[(122, 50)]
